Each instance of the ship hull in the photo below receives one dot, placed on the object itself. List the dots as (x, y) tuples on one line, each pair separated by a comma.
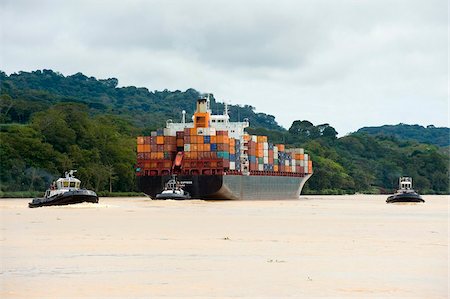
[(226, 187), (405, 197), (68, 198)]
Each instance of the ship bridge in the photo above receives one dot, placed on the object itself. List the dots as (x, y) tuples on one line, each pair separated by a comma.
[(203, 119)]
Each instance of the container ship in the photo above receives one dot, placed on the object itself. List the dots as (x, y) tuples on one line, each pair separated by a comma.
[(215, 158)]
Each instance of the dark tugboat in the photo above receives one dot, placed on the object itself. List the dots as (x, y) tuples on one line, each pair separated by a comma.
[(173, 190), (65, 191), (405, 192)]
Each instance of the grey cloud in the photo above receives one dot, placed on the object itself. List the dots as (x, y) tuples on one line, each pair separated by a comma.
[(341, 62)]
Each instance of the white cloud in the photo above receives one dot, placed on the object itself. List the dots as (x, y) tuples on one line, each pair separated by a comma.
[(348, 63)]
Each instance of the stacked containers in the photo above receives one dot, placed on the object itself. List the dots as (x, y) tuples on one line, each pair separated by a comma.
[(158, 151), (304, 163)]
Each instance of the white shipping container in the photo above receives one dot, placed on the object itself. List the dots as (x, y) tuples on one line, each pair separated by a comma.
[(206, 131), (169, 132), (254, 138), (266, 160), (201, 131), (266, 145), (232, 165), (261, 167), (306, 168), (275, 150), (286, 163), (187, 147), (296, 150), (293, 162), (293, 168), (302, 163), (266, 153)]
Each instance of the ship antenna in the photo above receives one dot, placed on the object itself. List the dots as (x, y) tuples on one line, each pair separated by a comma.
[(208, 102), (225, 112)]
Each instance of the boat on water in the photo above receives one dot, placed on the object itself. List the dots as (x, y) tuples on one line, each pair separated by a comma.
[(173, 190), (405, 192), (65, 191), (215, 158)]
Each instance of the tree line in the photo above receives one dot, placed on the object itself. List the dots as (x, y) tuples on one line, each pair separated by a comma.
[(50, 124)]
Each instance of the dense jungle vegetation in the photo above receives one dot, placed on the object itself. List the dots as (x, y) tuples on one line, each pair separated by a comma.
[(50, 123)]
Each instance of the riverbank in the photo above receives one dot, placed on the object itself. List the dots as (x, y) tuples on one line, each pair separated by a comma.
[(319, 246)]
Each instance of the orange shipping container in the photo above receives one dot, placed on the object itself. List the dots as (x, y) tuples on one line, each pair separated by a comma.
[(213, 139), (260, 153), (262, 139), (146, 148), (180, 142), (207, 147), (160, 140), (193, 131), (140, 140), (140, 148)]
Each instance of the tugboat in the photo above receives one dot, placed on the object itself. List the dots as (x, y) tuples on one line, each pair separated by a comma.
[(173, 190), (405, 192), (65, 191)]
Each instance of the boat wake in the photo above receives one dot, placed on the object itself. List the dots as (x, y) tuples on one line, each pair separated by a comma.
[(85, 205)]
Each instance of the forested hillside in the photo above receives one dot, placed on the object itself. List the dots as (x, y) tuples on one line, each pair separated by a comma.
[(37, 91), (51, 123), (430, 134)]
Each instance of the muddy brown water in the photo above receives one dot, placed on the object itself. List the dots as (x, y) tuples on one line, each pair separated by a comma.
[(319, 246)]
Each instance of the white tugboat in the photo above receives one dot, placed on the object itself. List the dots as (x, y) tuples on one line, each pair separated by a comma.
[(173, 190), (65, 191), (405, 192)]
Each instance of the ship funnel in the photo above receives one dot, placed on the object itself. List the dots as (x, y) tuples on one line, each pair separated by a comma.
[(183, 116), (202, 114)]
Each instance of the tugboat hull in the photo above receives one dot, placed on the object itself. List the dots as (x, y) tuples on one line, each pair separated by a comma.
[(172, 196), (405, 197), (67, 198)]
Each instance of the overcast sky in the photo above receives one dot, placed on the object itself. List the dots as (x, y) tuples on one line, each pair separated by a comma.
[(348, 63)]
